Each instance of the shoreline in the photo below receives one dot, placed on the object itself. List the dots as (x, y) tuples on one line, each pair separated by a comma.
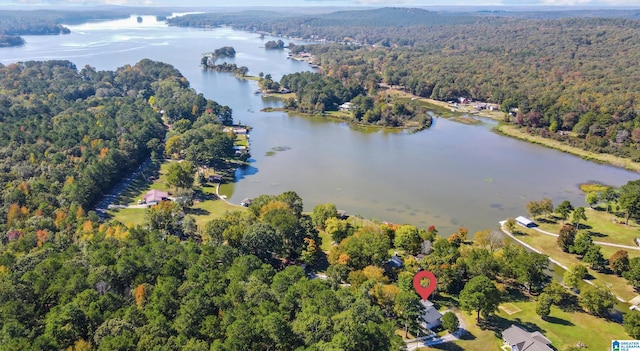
[(608, 159), (512, 131)]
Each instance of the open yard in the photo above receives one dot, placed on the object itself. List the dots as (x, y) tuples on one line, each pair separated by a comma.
[(549, 246), (601, 225), (208, 208), (563, 328)]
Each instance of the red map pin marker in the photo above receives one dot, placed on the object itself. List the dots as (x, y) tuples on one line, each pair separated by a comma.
[(424, 291)]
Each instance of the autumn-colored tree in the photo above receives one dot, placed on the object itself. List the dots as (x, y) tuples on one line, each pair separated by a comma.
[(273, 205), (15, 214), (566, 237), (42, 235), (310, 253), (619, 262), (60, 221), (80, 345), (375, 273), (140, 294)]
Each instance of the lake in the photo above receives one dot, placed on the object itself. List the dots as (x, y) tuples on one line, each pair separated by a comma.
[(450, 175)]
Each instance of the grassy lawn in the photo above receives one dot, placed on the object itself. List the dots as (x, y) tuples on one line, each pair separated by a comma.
[(549, 246), (515, 132), (202, 211), (129, 216), (476, 339), (563, 328), (241, 140), (601, 227)]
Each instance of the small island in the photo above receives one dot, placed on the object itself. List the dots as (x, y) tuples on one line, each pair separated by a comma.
[(10, 40), (273, 44), (209, 59)]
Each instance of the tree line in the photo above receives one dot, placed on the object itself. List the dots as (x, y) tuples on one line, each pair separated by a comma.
[(13, 24)]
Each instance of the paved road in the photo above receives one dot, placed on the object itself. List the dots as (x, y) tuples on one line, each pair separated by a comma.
[(108, 199)]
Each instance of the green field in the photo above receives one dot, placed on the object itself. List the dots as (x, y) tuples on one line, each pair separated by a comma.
[(563, 328), (548, 245), (203, 211), (601, 225)]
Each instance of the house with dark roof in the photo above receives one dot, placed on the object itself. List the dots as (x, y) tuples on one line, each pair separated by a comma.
[(521, 340)]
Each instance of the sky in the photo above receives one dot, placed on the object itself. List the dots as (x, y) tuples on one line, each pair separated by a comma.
[(298, 3)]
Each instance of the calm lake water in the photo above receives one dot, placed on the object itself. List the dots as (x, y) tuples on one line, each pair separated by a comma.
[(451, 175)]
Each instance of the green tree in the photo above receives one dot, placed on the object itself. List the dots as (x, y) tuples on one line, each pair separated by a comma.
[(564, 209), (165, 217), (579, 215), (408, 238), (631, 324), (574, 275), (323, 212), (609, 194), (450, 321), (261, 240), (546, 206), (408, 308), (582, 244), (533, 209), (619, 262), (594, 258), (181, 174), (480, 294), (597, 300), (592, 198), (543, 306), (629, 199), (338, 229), (633, 274)]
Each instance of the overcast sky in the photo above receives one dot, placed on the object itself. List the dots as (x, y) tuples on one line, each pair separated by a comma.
[(297, 3)]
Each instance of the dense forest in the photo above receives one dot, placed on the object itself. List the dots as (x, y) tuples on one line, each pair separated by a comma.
[(68, 136), (571, 79)]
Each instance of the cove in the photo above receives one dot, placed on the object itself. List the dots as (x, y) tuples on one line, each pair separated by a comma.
[(451, 175)]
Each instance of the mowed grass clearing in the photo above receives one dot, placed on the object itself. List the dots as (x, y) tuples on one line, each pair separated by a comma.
[(203, 211), (549, 246), (601, 226), (562, 328)]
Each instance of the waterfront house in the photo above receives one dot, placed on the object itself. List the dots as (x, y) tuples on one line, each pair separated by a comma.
[(345, 107)]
